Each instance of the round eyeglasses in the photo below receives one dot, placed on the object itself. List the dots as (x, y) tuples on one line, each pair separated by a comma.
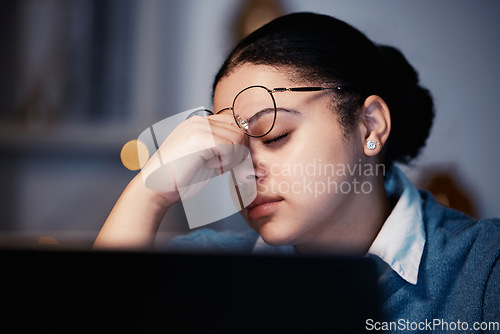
[(254, 108)]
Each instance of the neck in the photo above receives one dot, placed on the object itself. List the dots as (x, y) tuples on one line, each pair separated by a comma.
[(353, 230)]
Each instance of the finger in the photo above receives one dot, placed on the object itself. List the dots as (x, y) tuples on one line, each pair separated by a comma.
[(227, 122), (227, 157)]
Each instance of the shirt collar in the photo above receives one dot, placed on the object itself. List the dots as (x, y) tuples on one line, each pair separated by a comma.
[(400, 241)]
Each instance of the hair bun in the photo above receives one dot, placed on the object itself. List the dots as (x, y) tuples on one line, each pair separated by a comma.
[(412, 107), (397, 64)]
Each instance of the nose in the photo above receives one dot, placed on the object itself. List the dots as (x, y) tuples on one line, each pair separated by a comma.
[(245, 172), (254, 168), (258, 161), (244, 183)]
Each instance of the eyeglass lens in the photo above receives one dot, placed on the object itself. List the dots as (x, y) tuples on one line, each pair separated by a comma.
[(200, 112), (254, 110)]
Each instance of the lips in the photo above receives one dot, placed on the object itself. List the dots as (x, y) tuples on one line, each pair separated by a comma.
[(259, 200), (263, 206)]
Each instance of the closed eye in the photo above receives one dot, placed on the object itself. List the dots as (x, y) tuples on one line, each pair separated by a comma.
[(276, 139)]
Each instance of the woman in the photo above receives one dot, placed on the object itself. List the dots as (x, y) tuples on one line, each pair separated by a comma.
[(347, 103)]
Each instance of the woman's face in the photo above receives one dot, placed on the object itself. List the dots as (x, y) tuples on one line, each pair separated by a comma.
[(305, 183)]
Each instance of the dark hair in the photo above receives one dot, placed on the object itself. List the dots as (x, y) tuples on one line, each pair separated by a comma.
[(320, 49)]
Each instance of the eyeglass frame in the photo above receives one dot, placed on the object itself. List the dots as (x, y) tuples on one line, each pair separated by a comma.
[(271, 91)]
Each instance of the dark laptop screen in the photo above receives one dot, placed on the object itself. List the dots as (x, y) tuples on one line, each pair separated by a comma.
[(186, 293)]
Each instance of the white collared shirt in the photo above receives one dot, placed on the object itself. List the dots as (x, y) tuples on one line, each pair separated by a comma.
[(400, 241)]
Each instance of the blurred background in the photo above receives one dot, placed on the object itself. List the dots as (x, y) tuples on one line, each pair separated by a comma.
[(80, 78)]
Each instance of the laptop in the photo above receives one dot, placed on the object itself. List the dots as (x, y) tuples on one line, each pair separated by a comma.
[(115, 292)]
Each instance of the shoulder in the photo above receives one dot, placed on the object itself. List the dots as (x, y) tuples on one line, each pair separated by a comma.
[(211, 241), (465, 248), (451, 228), (459, 271)]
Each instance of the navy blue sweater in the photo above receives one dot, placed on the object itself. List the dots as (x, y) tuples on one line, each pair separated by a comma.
[(459, 275)]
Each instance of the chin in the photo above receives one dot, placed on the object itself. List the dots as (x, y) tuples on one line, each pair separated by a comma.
[(275, 234)]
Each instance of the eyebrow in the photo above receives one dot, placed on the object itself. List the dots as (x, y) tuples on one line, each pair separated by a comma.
[(263, 112)]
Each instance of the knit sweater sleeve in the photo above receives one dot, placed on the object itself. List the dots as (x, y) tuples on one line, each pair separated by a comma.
[(210, 241)]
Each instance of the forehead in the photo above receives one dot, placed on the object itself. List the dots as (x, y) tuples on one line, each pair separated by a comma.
[(247, 75)]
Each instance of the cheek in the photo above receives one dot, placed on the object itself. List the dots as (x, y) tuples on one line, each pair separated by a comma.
[(306, 168), (313, 175)]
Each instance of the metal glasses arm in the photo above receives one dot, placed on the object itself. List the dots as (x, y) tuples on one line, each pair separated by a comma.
[(302, 89)]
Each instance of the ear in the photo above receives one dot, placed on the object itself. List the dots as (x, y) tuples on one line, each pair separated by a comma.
[(375, 125)]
